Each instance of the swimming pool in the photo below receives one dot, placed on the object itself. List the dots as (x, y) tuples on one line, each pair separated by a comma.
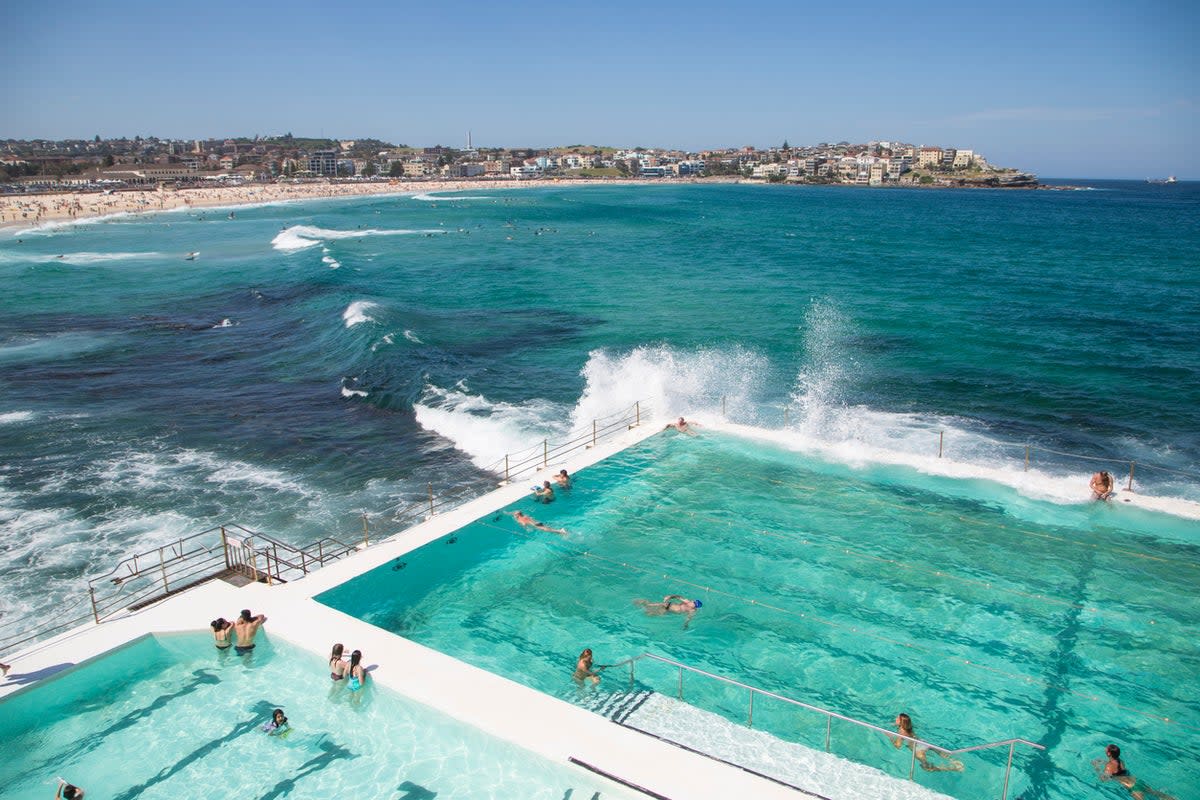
[(870, 591), (170, 716)]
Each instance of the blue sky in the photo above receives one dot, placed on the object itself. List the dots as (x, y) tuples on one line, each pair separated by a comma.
[(1095, 89)]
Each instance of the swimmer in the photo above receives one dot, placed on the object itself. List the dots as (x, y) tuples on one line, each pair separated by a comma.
[(527, 522), (1102, 486), (584, 670), (337, 666), (278, 724), (545, 493), (904, 727), (246, 627), (671, 604), (221, 629), (1114, 770), (563, 479), (68, 792), (358, 675), (683, 426)]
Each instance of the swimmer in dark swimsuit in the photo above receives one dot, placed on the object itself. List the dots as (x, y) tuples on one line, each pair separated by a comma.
[(337, 667), (1115, 770), (245, 628), (221, 630)]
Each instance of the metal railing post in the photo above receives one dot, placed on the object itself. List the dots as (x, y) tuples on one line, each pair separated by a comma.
[(637, 413), (506, 467), (431, 499), (95, 611), (723, 414), (593, 433), (366, 531), (941, 439), (225, 547), (785, 416), (545, 452), (912, 765), (750, 717), (1129, 486), (631, 674), (681, 683), (1027, 458), (162, 566), (828, 732), (1008, 769)]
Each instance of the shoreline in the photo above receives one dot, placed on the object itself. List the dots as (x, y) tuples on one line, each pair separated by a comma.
[(31, 211)]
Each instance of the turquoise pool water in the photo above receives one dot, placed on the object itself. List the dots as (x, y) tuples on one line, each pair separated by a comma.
[(170, 717), (982, 613)]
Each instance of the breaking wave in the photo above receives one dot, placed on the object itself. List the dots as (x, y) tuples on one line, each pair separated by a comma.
[(299, 237)]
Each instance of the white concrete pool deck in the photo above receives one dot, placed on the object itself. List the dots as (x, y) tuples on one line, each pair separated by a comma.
[(545, 725)]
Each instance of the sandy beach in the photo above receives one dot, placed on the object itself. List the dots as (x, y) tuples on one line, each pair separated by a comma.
[(35, 209)]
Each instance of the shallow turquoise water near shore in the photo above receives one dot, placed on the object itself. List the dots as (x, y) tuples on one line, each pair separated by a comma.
[(323, 359), (863, 592)]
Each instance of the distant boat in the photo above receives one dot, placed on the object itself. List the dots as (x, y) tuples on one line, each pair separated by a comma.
[(1169, 179)]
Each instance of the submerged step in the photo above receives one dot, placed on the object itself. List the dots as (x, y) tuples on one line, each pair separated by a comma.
[(807, 769)]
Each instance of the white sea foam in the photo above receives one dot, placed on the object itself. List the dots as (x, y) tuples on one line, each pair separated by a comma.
[(346, 392), (225, 323), (299, 237), (82, 259), (331, 261), (697, 383), (487, 430), (356, 312), (412, 337), (433, 198), (13, 417)]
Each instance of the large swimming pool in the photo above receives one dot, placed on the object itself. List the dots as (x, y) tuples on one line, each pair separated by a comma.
[(171, 717), (867, 591)]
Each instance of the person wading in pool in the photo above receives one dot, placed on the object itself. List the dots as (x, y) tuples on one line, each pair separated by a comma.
[(904, 727), (1102, 486), (671, 604), (245, 629), (584, 671), (683, 426), (1114, 770)]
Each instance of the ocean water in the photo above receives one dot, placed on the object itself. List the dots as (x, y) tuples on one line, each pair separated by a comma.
[(321, 360)]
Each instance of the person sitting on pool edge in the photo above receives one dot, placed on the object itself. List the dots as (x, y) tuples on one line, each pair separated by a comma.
[(1114, 770), (1102, 486), (904, 727), (545, 494), (671, 604)]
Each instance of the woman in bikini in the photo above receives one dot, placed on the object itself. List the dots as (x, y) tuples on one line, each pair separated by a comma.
[(222, 628), (337, 666)]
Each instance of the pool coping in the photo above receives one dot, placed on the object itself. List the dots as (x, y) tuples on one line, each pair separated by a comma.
[(535, 721)]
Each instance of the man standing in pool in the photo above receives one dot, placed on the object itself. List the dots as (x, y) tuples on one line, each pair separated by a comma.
[(671, 604), (245, 629)]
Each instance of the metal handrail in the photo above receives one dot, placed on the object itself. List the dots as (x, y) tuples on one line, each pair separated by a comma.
[(1011, 744)]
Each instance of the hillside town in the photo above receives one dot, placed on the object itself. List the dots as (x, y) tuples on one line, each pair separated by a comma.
[(111, 164)]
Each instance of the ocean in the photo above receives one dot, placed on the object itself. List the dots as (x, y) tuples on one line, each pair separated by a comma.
[(321, 360)]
